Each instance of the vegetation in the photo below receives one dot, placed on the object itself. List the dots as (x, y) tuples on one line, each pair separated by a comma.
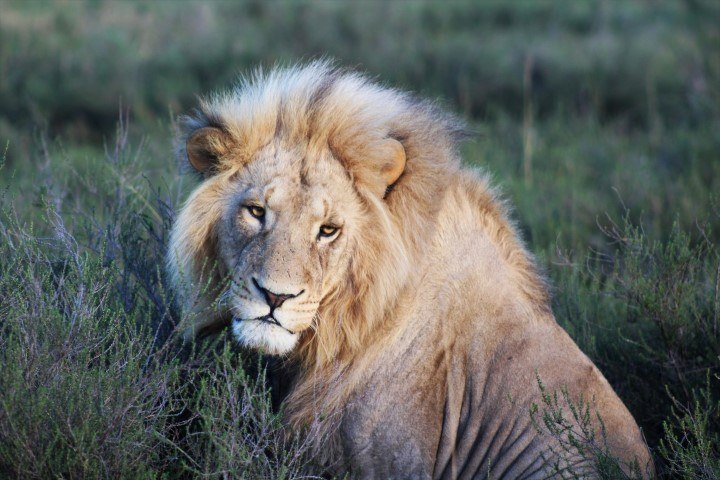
[(95, 381), (598, 119)]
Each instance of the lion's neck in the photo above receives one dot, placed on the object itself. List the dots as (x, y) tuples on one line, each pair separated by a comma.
[(367, 315)]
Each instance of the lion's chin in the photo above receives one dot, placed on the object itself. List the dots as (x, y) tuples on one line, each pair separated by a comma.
[(264, 336)]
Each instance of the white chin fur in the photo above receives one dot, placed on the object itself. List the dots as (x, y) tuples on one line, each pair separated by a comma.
[(264, 337)]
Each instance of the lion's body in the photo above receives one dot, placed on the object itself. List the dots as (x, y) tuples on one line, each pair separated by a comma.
[(428, 326)]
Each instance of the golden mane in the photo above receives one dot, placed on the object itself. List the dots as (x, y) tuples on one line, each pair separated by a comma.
[(316, 107)]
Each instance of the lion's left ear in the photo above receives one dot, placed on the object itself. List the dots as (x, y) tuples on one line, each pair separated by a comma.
[(395, 162)]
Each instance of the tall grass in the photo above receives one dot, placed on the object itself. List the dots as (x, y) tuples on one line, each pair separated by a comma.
[(95, 382)]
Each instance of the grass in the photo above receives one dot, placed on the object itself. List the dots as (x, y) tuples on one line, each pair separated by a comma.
[(96, 381), (598, 120)]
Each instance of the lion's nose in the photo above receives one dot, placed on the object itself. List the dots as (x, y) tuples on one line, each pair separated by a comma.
[(274, 300)]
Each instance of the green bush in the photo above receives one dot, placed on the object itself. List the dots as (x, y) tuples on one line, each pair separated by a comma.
[(95, 381), (579, 448), (692, 440)]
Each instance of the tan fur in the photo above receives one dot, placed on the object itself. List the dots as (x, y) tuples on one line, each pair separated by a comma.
[(419, 320)]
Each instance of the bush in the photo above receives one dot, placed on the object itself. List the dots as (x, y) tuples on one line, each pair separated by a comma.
[(578, 442), (95, 381), (692, 441)]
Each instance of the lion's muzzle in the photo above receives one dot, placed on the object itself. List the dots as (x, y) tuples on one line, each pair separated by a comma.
[(268, 320)]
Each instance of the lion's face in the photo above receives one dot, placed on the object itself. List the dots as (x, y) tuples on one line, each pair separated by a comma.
[(285, 237), (292, 234)]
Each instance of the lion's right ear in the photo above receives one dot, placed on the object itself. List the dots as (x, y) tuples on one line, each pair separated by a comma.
[(206, 147)]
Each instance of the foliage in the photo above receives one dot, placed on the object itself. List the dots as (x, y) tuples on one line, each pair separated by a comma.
[(95, 381), (578, 447), (692, 438)]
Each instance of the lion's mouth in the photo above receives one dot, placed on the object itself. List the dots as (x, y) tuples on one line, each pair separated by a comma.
[(269, 319)]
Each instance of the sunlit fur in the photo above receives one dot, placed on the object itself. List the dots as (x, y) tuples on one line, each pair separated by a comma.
[(440, 230)]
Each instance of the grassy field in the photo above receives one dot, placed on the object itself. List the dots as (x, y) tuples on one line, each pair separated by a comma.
[(599, 120)]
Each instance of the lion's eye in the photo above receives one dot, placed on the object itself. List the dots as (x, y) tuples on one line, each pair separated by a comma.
[(255, 211), (328, 231)]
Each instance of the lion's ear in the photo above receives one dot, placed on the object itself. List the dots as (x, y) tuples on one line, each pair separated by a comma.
[(394, 161), (205, 147)]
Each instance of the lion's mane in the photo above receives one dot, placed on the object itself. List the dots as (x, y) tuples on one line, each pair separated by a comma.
[(317, 107)]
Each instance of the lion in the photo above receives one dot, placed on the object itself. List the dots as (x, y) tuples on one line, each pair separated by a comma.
[(336, 227)]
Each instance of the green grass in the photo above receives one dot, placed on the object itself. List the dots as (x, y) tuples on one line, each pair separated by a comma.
[(96, 381), (607, 149)]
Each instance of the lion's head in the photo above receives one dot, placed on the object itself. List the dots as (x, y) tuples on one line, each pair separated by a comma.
[(302, 230)]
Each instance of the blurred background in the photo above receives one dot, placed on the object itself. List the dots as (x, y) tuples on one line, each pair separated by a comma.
[(599, 119), (68, 65), (540, 82)]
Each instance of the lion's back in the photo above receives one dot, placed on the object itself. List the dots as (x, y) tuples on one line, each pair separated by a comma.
[(544, 376), (473, 345)]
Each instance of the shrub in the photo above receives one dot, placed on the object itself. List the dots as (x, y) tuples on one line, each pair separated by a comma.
[(95, 381), (579, 448), (691, 445)]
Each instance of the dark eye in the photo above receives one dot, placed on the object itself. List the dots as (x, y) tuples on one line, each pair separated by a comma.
[(328, 231), (255, 211)]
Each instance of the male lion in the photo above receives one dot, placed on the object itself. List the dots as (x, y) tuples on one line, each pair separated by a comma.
[(336, 226)]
